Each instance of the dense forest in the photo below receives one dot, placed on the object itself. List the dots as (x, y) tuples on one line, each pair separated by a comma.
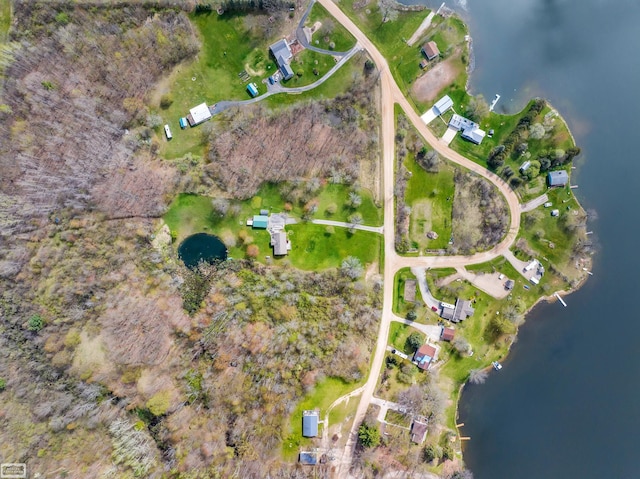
[(103, 371)]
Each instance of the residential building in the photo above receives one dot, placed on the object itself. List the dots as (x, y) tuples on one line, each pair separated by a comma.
[(310, 423), (509, 284), (280, 243), (283, 55), (424, 356), (558, 178), (458, 312), (418, 432), (430, 50), (470, 131), (442, 105)]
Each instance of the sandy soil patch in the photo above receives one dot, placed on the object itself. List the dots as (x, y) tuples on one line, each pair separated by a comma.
[(427, 87)]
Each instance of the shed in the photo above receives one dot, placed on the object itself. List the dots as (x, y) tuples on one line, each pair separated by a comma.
[(264, 212), (424, 355), (442, 105), (310, 423), (423, 64), (430, 50), (509, 284), (308, 458), (199, 114), (448, 334), (418, 432), (558, 178), (410, 290), (279, 243), (260, 222), (525, 166), (252, 89)]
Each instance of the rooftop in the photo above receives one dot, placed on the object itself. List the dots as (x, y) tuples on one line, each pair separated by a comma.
[(442, 105), (281, 52), (558, 178), (461, 123), (279, 243), (430, 50), (310, 423), (418, 432), (200, 113), (448, 334), (424, 355)]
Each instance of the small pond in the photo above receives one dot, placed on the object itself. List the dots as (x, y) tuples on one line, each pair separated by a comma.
[(201, 247)]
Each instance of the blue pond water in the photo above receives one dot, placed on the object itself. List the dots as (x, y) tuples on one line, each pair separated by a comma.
[(202, 247)]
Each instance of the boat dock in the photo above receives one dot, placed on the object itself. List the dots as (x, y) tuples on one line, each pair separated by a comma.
[(560, 299), (493, 103)]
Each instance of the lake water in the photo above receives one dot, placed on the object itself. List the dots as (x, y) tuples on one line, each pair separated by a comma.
[(567, 402), (201, 247)]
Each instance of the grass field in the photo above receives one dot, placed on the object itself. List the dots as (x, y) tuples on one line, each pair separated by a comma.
[(5, 19), (330, 32), (398, 334), (400, 306), (430, 196), (322, 396)]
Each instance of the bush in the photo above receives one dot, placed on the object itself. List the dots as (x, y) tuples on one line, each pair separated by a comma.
[(431, 452), (3, 384), (369, 435), (447, 452), (412, 315), (166, 101), (159, 403), (36, 323)]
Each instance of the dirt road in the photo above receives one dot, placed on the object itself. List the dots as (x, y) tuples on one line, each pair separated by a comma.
[(391, 94)]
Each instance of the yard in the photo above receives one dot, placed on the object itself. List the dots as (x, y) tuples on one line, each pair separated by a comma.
[(314, 246), (331, 35), (321, 397)]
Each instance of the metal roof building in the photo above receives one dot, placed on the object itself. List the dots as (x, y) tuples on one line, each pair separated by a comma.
[(279, 243), (558, 178), (252, 89), (260, 221), (442, 105), (199, 114), (281, 52), (310, 423), (474, 135), (286, 70), (308, 458)]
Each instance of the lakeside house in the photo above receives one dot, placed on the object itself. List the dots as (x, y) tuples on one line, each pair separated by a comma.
[(198, 114), (310, 423), (418, 432), (470, 131), (424, 356), (557, 178), (458, 312), (282, 53), (442, 105), (430, 50)]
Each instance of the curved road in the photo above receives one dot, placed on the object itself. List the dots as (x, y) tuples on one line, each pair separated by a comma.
[(391, 94)]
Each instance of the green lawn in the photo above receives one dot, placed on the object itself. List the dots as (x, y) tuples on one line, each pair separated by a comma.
[(430, 196), (398, 334), (314, 249), (400, 306), (330, 32), (5, 19), (322, 396), (309, 67)]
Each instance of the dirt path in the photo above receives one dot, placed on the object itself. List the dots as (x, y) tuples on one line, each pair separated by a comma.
[(426, 23)]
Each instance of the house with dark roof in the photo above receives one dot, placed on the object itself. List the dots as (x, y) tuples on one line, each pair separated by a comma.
[(282, 54), (310, 423), (430, 50), (558, 178), (509, 284), (447, 334), (418, 432), (424, 356), (458, 312)]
